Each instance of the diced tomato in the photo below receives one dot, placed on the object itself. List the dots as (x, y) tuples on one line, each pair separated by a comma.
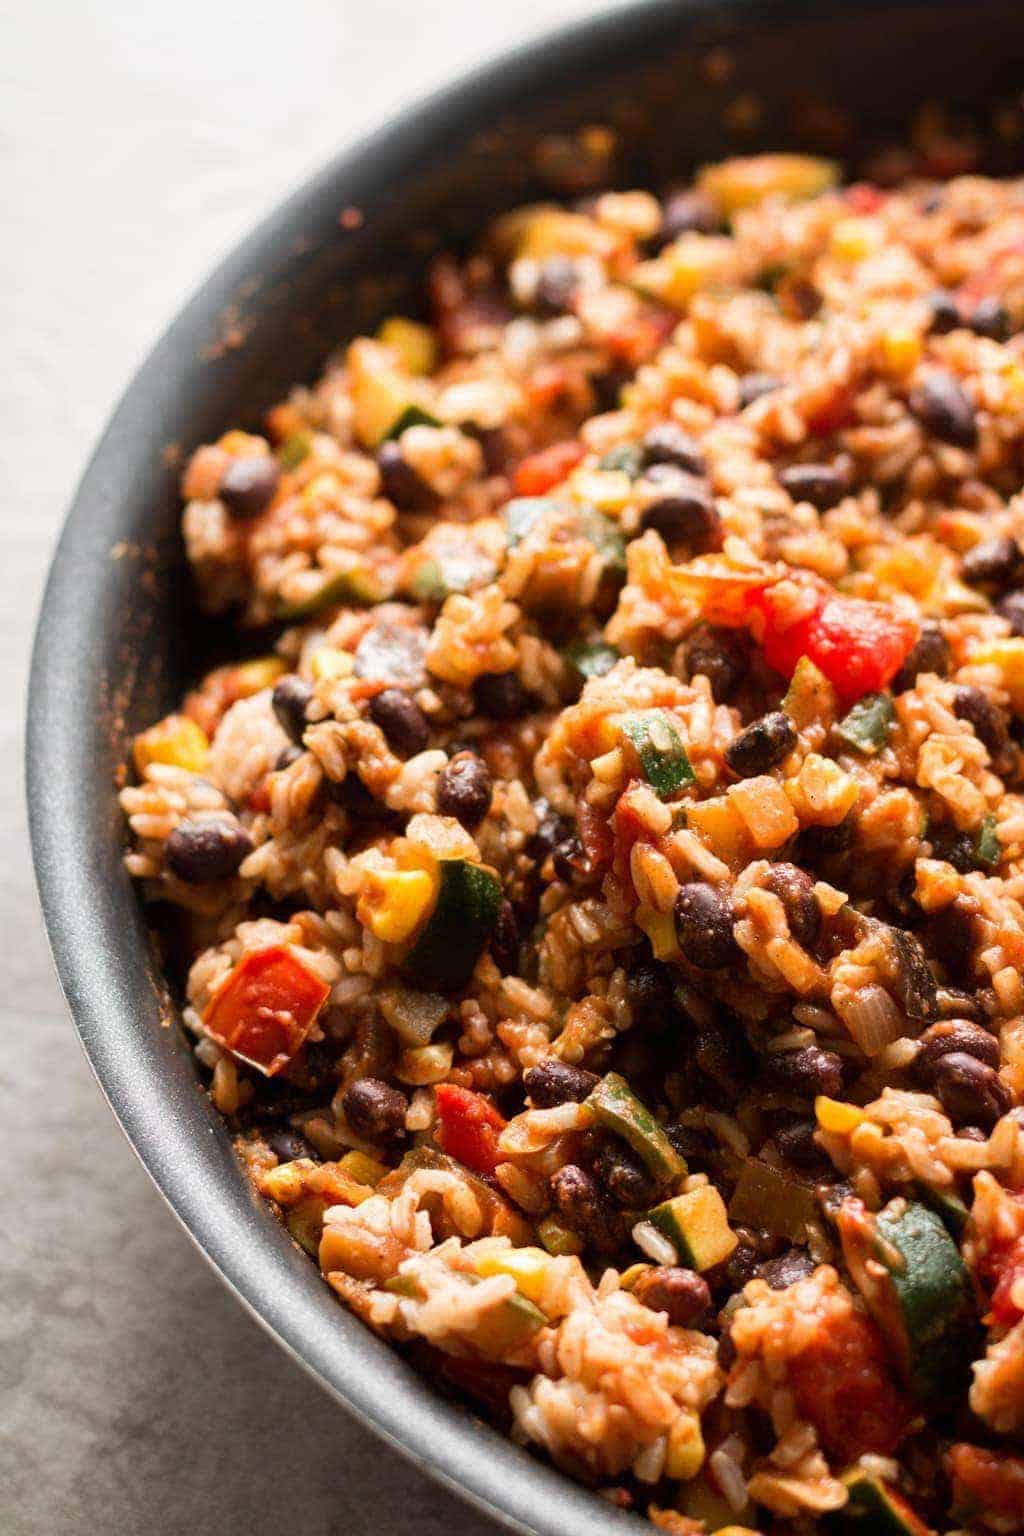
[(547, 384), (469, 1127), (264, 1009), (538, 473), (864, 197), (595, 834), (636, 340), (1009, 1267), (628, 826), (843, 1386), (258, 800), (986, 1482), (859, 645), (834, 412)]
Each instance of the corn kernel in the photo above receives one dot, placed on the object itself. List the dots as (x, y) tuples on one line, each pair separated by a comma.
[(835, 1116), (529, 1268), (176, 741), (660, 928), (685, 1448), (327, 663), (414, 344), (855, 239), (253, 676), (630, 1276), (394, 902), (1008, 656), (607, 490), (901, 350)]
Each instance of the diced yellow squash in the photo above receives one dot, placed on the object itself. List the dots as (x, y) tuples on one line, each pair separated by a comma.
[(394, 902), (253, 676), (363, 1168), (176, 741), (810, 698), (529, 1268), (381, 392), (766, 812), (328, 662), (415, 344), (422, 1065), (1008, 656), (685, 1455), (835, 1116), (746, 180)]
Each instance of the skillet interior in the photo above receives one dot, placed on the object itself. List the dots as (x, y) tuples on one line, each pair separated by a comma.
[(118, 639)]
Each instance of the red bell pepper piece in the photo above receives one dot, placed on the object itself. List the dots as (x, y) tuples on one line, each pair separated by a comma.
[(987, 1482), (858, 645), (469, 1127), (539, 472), (264, 1009)]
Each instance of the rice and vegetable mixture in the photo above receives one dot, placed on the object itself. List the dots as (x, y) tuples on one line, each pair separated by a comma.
[(605, 905)]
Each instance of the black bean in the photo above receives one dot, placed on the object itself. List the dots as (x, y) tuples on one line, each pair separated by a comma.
[(787, 1269), (754, 386), (986, 719), (994, 563), (795, 1142), (392, 653), (795, 889), (402, 721), (650, 995), (287, 757), (572, 864), (500, 695), (816, 845), (580, 1204), (945, 409), (289, 1145), (667, 443), (557, 283), (374, 1109), (682, 1293), (684, 509), (289, 699), (989, 318), (799, 298), (704, 919), (762, 745), (952, 936), (970, 1092), (720, 655), (465, 789), (820, 484), (723, 1056), (1011, 608), (623, 1177), (744, 1263), (953, 847), (952, 1035), (401, 483), (687, 212), (808, 1072), (607, 387), (200, 851), (943, 312), (248, 485), (727, 1352), (554, 1082), (552, 829), (493, 445), (504, 941), (930, 654)]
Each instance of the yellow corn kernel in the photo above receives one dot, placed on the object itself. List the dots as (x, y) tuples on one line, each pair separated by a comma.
[(529, 1268), (253, 676), (285, 1183), (688, 265), (746, 180), (685, 1448), (630, 1276), (855, 239), (901, 350), (394, 902), (176, 741), (414, 344), (766, 812), (327, 663), (422, 1065), (242, 444), (1008, 656), (835, 1116), (736, 1530), (362, 1168)]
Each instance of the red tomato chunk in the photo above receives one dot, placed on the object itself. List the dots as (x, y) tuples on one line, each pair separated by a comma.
[(264, 1009), (843, 1386), (986, 1482), (858, 645), (469, 1127), (540, 472)]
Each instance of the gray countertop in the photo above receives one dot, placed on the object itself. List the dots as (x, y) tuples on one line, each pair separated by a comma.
[(137, 143)]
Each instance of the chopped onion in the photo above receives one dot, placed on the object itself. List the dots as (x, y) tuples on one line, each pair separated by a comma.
[(654, 1243), (871, 1016)]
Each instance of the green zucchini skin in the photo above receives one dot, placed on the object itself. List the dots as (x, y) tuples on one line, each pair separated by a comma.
[(464, 914), (617, 1108), (875, 1509), (933, 1292), (659, 747)]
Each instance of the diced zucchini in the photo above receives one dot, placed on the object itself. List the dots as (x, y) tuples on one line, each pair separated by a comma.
[(617, 1108), (987, 847), (529, 1268), (458, 928), (779, 1202), (660, 749), (877, 1509), (591, 658), (385, 399), (508, 1327), (866, 728), (949, 1208), (361, 586), (304, 1221), (415, 344), (697, 1226), (411, 416), (294, 449), (522, 514), (916, 1286), (627, 457)]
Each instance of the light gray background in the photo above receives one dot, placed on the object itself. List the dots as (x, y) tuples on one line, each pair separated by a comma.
[(138, 141)]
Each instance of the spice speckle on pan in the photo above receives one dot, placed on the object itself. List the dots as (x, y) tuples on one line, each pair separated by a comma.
[(603, 903)]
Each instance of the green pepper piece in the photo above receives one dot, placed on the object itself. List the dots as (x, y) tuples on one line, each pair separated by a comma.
[(591, 658), (294, 449), (660, 749), (866, 727), (617, 1108), (988, 850), (361, 587)]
